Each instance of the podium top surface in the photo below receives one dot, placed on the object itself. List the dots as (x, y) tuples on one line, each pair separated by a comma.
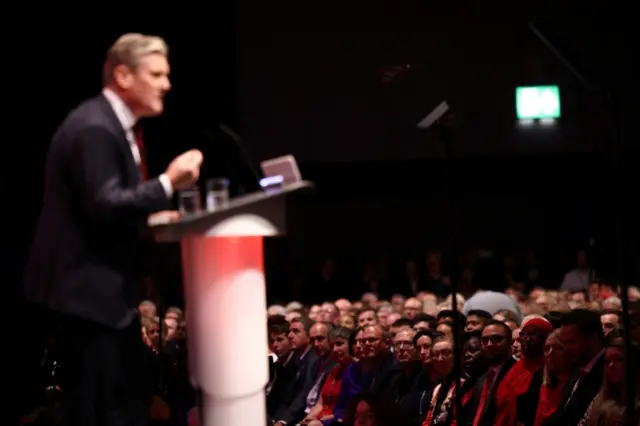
[(259, 213)]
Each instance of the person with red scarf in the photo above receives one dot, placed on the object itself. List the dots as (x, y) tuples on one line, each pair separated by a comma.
[(533, 335), (322, 413), (557, 368)]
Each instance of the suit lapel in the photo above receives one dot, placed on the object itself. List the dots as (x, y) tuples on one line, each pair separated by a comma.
[(491, 396), (133, 171)]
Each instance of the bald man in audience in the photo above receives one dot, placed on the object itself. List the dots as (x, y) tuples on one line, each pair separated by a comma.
[(344, 306), (408, 385), (377, 349), (412, 307), (329, 314), (147, 308)]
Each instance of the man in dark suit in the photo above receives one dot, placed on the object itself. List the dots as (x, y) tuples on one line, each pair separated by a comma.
[(496, 346), (583, 338), (86, 255)]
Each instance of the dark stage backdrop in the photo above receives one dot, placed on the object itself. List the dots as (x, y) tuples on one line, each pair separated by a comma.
[(312, 81)]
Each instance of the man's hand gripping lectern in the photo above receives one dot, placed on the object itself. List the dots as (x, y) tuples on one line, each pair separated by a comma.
[(222, 258)]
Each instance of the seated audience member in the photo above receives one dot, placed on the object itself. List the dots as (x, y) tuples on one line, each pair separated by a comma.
[(400, 325), (352, 377), (447, 315), (533, 336), (609, 406), (425, 322), (610, 319), (407, 386), (283, 370), (547, 385), (367, 316), (476, 320), (412, 307), (423, 341), (583, 338), (319, 338), (444, 393), (322, 413), (305, 365), (496, 346), (474, 364)]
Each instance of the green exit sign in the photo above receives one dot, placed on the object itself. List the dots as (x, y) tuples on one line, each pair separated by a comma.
[(537, 102)]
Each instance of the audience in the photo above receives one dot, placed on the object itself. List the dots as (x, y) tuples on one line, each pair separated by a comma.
[(413, 360)]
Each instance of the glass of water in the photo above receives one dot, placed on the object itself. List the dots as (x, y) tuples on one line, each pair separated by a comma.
[(217, 194), (189, 201)]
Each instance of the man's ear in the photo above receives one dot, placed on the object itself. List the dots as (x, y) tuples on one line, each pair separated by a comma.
[(123, 76)]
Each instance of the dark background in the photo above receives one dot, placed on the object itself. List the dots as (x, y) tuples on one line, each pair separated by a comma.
[(310, 78)]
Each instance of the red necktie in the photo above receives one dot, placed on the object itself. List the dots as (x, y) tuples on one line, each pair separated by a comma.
[(137, 130), (483, 396)]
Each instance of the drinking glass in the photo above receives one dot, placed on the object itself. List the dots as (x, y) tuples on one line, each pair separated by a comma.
[(189, 201), (217, 194)]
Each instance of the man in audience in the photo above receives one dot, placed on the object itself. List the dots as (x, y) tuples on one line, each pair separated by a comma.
[(319, 338), (583, 338), (610, 319), (367, 316), (147, 308), (383, 313), (283, 370), (406, 387), (533, 336), (476, 320), (329, 314), (400, 325), (306, 363), (377, 349), (496, 345), (425, 322), (412, 307)]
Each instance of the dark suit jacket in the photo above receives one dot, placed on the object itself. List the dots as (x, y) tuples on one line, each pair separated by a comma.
[(87, 250), (294, 403), (409, 394), (571, 408), (489, 408)]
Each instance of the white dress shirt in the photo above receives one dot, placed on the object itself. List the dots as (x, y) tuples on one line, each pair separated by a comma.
[(128, 121)]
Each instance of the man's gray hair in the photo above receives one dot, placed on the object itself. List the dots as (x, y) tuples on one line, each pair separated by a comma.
[(128, 50)]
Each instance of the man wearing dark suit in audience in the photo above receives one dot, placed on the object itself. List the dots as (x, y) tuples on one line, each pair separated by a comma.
[(583, 338), (306, 365), (86, 255), (496, 346)]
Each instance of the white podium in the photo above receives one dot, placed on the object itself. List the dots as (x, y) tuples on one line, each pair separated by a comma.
[(225, 296)]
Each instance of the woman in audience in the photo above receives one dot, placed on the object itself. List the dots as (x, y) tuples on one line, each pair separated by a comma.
[(552, 379), (322, 413), (609, 407), (444, 394), (351, 379)]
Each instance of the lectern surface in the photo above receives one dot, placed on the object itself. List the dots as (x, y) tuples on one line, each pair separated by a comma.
[(259, 213)]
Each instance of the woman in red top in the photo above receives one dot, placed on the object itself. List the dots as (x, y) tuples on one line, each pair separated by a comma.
[(322, 413), (556, 370)]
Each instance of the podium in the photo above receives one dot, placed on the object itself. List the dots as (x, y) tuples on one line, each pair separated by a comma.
[(225, 297)]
